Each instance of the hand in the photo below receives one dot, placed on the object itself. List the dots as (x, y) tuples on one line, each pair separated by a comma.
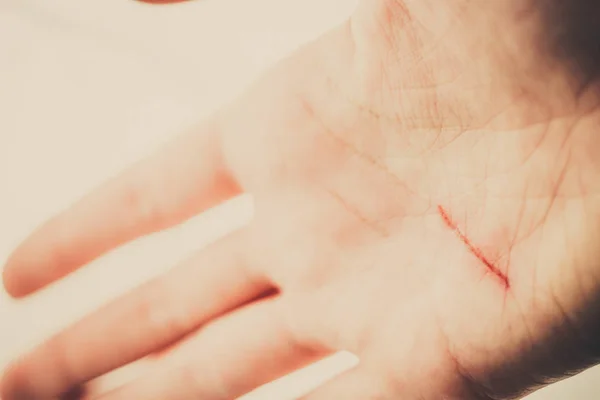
[(420, 201)]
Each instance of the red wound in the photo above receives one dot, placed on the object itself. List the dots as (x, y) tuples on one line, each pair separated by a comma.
[(474, 250)]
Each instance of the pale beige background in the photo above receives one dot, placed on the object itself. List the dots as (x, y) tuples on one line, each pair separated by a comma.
[(87, 87)]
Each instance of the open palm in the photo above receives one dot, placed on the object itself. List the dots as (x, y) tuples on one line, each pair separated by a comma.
[(418, 202)]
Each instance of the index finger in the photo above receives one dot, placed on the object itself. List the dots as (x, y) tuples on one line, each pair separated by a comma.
[(187, 177)]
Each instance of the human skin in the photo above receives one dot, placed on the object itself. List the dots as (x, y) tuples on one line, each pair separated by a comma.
[(426, 186)]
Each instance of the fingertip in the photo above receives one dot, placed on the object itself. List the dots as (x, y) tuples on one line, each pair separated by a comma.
[(22, 380), (13, 385), (31, 267), (14, 283), (10, 283)]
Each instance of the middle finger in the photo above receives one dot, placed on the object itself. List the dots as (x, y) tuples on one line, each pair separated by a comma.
[(160, 312)]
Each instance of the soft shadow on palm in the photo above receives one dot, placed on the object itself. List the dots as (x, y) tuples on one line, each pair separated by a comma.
[(414, 205)]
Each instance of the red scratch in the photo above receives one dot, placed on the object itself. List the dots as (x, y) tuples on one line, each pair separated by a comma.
[(476, 252)]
